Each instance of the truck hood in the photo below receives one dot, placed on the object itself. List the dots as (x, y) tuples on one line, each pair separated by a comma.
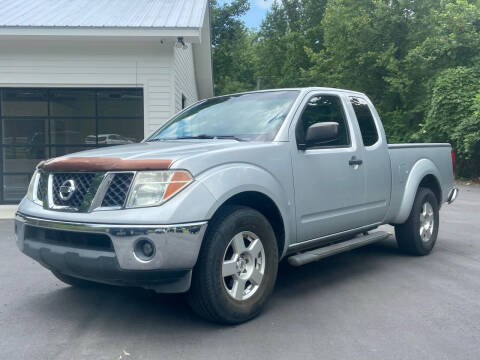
[(142, 156), (171, 150)]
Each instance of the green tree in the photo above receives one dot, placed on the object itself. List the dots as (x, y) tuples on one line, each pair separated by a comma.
[(445, 36), (454, 116), (417, 60), (288, 29), (234, 60)]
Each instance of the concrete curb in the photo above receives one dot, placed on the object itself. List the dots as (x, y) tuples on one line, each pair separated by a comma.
[(7, 212)]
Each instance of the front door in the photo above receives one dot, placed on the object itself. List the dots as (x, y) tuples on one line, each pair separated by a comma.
[(329, 183)]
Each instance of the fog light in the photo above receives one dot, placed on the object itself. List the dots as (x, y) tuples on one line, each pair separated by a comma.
[(144, 249), (147, 249)]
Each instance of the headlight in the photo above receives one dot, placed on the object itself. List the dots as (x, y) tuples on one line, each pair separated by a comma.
[(33, 188), (151, 188)]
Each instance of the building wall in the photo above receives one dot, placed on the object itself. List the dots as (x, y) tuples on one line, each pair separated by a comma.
[(184, 81), (98, 63)]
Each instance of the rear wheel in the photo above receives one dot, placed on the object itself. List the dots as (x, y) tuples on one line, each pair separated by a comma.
[(237, 267), (418, 234)]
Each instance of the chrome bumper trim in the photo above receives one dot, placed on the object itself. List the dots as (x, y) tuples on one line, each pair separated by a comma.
[(103, 228), (452, 195), (177, 245)]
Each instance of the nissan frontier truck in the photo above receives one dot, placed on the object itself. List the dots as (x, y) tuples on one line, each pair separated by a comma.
[(211, 202)]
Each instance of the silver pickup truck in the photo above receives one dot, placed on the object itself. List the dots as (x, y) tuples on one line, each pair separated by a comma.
[(213, 200)]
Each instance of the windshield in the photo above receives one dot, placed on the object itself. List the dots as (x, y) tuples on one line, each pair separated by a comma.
[(251, 116)]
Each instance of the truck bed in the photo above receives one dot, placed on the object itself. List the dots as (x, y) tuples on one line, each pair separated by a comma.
[(404, 157)]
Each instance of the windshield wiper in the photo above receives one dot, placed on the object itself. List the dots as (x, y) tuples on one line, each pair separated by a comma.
[(233, 137), (201, 136)]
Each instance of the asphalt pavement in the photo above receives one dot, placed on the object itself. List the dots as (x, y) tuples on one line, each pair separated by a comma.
[(371, 303)]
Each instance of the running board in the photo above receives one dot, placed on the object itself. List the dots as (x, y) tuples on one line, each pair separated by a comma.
[(323, 252)]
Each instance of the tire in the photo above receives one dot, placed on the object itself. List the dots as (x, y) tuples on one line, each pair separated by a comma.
[(239, 297), (417, 236), (73, 281)]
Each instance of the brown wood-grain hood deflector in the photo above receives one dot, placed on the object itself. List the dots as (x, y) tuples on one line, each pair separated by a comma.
[(103, 164)]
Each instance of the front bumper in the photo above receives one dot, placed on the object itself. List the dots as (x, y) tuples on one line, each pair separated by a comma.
[(67, 247)]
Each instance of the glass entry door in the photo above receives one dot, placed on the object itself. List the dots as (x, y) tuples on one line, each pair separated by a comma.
[(41, 123)]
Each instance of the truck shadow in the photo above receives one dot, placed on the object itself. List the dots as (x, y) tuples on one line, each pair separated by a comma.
[(118, 310)]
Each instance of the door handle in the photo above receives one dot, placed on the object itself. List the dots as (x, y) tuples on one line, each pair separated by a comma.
[(354, 161)]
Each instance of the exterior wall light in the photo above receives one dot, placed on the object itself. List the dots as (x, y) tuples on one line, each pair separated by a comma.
[(180, 44)]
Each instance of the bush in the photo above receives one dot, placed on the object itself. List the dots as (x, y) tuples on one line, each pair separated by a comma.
[(454, 117)]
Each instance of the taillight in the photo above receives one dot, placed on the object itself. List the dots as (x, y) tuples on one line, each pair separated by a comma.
[(453, 163)]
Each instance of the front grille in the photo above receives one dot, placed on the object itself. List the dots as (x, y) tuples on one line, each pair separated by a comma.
[(72, 239), (118, 190), (88, 191), (42, 185), (83, 181)]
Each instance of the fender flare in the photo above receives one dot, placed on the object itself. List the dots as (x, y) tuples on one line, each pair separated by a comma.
[(226, 181), (420, 169)]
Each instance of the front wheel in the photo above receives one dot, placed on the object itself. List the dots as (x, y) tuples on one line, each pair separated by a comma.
[(418, 234), (237, 267)]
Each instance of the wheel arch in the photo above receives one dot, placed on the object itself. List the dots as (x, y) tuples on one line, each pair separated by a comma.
[(431, 182), (423, 174), (265, 205), (254, 186)]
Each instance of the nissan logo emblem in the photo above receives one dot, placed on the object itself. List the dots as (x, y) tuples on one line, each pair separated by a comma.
[(67, 189)]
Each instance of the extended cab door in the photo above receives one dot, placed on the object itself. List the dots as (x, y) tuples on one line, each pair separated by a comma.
[(329, 179), (376, 159)]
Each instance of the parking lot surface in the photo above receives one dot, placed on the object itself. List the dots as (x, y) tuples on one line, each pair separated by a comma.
[(371, 303)]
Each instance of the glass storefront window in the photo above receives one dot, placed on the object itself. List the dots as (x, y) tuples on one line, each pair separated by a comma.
[(23, 159), (120, 103), (72, 131), (125, 131), (38, 124), (15, 187), (24, 131), (24, 102), (72, 103)]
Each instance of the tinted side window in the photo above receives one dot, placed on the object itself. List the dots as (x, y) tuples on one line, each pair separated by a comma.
[(324, 108), (365, 121)]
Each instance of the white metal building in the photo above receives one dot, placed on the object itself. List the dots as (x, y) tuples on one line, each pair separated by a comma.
[(76, 74)]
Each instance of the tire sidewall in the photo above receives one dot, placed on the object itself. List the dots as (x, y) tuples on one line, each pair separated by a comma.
[(423, 196), (241, 219)]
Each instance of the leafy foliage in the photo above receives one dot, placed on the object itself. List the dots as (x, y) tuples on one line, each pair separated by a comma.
[(417, 60), (454, 115), (232, 50)]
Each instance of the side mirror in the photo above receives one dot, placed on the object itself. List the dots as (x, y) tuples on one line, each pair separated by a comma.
[(321, 133)]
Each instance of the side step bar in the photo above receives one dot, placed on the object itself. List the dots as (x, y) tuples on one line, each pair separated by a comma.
[(323, 252)]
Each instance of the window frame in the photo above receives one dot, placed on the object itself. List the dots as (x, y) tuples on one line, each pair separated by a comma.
[(299, 123), (366, 102)]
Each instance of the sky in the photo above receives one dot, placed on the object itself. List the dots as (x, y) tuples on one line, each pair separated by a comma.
[(258, 9)]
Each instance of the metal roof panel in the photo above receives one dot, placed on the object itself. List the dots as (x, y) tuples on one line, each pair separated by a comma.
[(103, 13)]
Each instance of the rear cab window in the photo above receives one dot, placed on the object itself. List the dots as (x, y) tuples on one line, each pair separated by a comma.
[(365, 120)]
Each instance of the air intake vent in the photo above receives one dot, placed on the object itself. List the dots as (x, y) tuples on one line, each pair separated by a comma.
[(42, 187), (116, 194)]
